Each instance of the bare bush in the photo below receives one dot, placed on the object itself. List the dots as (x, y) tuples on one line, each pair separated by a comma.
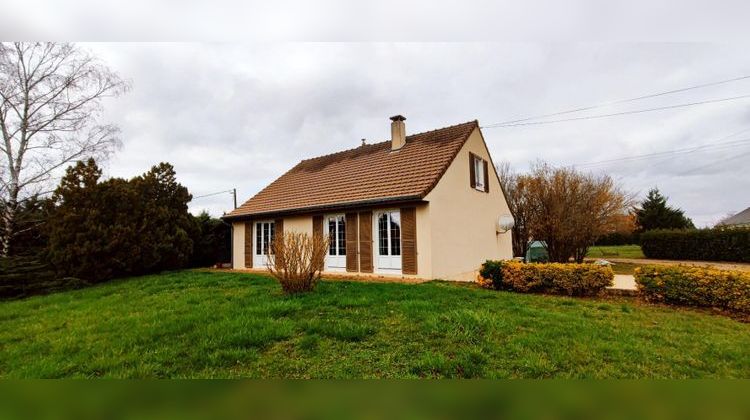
[(296, 260)]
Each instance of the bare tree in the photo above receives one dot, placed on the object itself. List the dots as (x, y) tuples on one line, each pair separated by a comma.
[(570, 209), (50, 101), (296, 259), (515, 187)]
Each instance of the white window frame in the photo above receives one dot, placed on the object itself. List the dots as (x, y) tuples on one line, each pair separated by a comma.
[(394, 261), (335, 262), (478, 173), (259, 258)]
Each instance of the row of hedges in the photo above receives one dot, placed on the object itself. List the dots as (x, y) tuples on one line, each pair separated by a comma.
[(553, 278), (695, 286), (28, 275), (618, 238), (697, 244)]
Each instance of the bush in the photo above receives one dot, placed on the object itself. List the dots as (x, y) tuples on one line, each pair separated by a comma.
[(618, 238), (555, 278), (698, 244), (296, 259), (695, 286), (29, 275), (492, 271)]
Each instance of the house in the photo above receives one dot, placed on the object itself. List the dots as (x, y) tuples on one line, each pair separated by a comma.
[(739, 220), (425, 205)]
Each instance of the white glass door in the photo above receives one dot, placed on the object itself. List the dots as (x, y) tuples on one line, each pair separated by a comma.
[(388, 234), (263, 234), (336, 257)]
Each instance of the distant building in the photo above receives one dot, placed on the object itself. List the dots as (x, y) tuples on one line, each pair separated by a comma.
[(741, 219)]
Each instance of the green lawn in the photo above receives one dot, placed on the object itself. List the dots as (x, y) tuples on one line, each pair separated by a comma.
[(618, 251), (222, 324)]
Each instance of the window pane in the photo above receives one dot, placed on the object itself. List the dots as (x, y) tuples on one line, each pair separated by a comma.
[(258, 238), (273, 235), (383, 234), (266, 233), (331, 236), (342, 236), (396, 233)]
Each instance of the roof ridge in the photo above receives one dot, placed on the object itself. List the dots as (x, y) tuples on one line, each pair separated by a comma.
[(475, 121)]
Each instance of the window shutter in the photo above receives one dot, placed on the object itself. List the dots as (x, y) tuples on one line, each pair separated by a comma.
[(486, 177), (249, 238), (409, 240), (318, 228), (365, 242), (472, 175), (351, 242), (278, 232)]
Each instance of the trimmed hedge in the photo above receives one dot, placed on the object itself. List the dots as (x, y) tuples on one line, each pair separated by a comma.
[(22, 276), (695, 286), (618, 238), (698, 244), (552, 278)]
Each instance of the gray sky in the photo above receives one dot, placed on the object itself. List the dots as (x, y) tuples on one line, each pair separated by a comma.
[(239, 115)]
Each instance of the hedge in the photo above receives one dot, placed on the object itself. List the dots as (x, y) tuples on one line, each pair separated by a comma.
[(617, 238), (695, 286), (552, 278), (29, 275), (698, 244)]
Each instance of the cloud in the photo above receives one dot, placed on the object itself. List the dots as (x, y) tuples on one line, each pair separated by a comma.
[(239, 115)]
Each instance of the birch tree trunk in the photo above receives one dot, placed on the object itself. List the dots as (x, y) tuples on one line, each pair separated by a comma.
[(50, 103)]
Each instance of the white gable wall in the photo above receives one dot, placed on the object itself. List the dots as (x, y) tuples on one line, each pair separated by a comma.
[(462, 220)]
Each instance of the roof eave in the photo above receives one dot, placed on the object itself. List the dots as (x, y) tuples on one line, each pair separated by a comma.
[(324, 207)]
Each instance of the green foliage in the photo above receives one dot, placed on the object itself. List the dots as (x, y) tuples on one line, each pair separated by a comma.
[(30, 233), (30, 275), (493, 270), (695, 286), (654, 213), (101, 230), (556, 278), (212, 241), (617, 238), (201, 324), (698, 244)]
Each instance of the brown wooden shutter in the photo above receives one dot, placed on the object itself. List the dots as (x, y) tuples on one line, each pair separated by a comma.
[(249, 238), (278, 232), (486, 177), (351, 242), (472, 175), (318, 228), (365, 242), (409, 240)]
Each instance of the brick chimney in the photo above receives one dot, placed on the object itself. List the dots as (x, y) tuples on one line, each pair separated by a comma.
[(398, 132)]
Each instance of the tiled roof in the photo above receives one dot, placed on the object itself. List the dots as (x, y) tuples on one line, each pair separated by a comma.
[(369, 173), (741, 218)]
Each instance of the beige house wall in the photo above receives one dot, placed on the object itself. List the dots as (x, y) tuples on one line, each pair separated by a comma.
[(299, 224), (463, 220), (238, 245)]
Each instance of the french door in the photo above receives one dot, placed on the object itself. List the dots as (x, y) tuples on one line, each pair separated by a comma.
[(336, 256), (264, 234), (388, 236)]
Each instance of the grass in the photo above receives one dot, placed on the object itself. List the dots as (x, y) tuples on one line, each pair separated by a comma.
[(618, 251), (222, 324)]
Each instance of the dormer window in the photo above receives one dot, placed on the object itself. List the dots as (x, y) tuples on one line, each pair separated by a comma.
[(478, 173)]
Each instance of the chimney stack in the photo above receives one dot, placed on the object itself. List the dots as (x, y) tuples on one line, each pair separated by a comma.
[(398, 132)]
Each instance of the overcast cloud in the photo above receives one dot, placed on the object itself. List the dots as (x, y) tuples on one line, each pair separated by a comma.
[(240, 115)]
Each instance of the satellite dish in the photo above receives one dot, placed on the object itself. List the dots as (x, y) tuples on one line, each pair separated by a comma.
[(505, 223)]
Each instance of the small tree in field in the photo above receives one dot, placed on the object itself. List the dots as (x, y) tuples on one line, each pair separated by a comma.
[(296, 260)]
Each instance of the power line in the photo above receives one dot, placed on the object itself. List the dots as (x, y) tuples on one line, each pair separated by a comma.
[(621, 101), (711, 146), (693, 170), (212, 194), (639, 111)]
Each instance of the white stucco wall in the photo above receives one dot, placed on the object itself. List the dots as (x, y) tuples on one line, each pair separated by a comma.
[(462, 220), (238, 245)]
